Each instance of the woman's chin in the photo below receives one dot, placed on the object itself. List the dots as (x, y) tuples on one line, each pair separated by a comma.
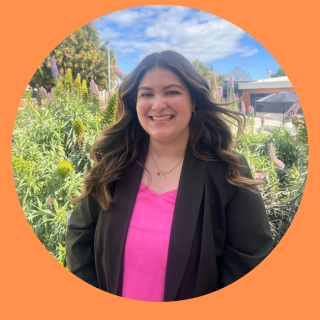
[(161, 137)]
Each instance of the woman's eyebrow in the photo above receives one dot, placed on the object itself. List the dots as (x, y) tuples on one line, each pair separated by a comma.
[(165, 88), (145, 88), (172, 85)]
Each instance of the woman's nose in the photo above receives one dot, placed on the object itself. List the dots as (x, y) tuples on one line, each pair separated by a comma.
[(159, 104)]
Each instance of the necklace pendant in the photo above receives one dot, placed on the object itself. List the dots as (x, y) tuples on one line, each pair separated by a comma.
[(161, 174)]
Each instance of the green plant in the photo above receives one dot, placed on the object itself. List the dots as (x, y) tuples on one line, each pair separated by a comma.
[(64, 168), (68, 81), (109, 114), (78, 127), (84, 91)]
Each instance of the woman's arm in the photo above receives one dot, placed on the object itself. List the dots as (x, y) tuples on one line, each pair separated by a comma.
[(80, 240), (248, 237)]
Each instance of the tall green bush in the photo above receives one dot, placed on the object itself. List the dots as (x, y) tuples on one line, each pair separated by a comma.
[(109, 114)]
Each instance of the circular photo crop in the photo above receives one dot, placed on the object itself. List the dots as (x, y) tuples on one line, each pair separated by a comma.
[(160, 153)]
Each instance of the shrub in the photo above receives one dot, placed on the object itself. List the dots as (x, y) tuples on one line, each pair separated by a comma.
[(109, 114), (64, 168), (78, 127)]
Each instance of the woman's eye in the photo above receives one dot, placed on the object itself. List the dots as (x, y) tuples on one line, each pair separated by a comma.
[(146, 95), (171, 93)]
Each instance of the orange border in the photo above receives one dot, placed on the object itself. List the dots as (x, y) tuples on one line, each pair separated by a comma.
[(282, 287)]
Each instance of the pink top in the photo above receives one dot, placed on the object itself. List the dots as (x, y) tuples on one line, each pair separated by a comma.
[(146, 249)]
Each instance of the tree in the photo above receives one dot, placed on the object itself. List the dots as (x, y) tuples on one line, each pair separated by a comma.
[(220, 77), (83, 53), (279, 73), (239, 74), (206, 72)]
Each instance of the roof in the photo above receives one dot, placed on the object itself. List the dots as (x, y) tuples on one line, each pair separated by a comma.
[(278, 82)]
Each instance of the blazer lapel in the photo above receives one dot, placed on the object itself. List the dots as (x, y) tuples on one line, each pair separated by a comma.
[(188, 202), (120, 216)]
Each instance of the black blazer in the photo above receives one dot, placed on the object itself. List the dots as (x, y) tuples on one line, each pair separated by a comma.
[(219, 232)]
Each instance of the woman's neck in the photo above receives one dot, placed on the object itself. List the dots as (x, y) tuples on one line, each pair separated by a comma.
[(174, 149)]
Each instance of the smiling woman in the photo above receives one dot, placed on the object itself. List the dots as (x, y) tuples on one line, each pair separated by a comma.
[(169, 211), (164, 106)]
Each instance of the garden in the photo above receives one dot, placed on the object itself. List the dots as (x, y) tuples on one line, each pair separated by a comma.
[(51, 146)]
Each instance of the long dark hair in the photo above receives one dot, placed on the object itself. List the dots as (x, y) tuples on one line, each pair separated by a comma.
[(210, 135)]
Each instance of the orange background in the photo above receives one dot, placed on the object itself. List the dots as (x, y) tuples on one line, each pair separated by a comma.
[(35, 286)]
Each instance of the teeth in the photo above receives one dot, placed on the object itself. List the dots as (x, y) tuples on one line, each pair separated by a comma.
[(162, 119)]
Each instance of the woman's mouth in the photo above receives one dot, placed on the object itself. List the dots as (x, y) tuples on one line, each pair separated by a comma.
[(164, 118)]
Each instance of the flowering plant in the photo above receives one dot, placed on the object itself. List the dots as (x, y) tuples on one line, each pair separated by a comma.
[(273, 158)]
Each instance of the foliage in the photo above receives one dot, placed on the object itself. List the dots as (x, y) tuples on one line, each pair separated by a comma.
[(81, 52), (206, 72), (64, 168), (77, 86), (78, 126), (109, 114), (50, 155), (84, 91), (68, 81), (284, 184), (239, 74), (279, 73)]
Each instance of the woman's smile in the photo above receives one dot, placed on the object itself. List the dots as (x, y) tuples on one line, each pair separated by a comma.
[(161, 119)]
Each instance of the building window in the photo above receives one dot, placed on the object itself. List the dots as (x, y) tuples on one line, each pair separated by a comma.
[(226, 88), (256, 96)]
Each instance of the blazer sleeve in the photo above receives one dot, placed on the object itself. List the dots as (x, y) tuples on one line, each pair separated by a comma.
[(248, 234), (80, 240)]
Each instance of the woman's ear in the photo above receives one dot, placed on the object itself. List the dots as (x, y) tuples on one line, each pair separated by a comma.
[(193, 104)]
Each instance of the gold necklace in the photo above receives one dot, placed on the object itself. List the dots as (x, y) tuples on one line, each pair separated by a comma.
[(162, 174)]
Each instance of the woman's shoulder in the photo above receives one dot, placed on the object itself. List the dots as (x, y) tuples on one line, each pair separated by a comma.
[(222, 166)]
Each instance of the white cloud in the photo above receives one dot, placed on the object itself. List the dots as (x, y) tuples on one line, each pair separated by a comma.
[(122, 18), (196, 34), (249, 53)]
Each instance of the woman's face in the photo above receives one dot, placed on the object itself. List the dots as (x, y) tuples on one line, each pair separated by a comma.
[(164, 105)]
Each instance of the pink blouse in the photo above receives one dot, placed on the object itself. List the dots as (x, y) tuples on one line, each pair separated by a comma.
[(146, 249)]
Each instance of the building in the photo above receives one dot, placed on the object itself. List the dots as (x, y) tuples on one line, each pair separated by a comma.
[(236, 90), (255, 90)]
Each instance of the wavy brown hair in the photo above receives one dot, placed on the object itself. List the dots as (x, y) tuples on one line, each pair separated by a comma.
[(210, 135)]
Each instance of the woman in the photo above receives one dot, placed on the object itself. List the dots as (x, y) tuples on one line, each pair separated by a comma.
[(168, 211)]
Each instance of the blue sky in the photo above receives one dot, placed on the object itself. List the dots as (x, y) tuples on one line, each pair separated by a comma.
[(139, 31)]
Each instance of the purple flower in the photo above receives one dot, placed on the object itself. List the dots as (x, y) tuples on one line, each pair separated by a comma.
[(68, 217), (43, 93), (79, 76), (231, 83), (217, 92), (94, 93), (279, 163), (220, 91), (243, 107), (260, 175), (214, 79), (234, 97), (209, 84), (249, 109), (80, 144), (273, 158), (252, 110), (54, 68), (49, 97)]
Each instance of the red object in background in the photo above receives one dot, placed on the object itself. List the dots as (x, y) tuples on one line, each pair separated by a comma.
[(22, 104)]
